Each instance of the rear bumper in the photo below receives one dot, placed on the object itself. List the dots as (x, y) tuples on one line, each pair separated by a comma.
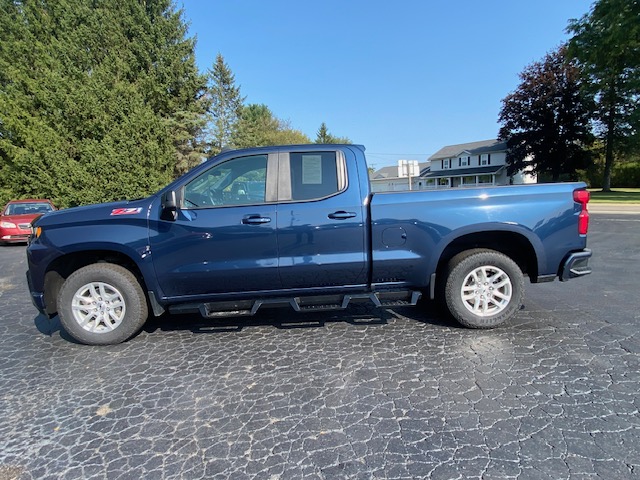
[(576, 265)]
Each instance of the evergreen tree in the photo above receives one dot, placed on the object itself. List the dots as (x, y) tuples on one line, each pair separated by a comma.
[(323, 136), (99, 100), (226, 104), (606, 45), (546, 120)]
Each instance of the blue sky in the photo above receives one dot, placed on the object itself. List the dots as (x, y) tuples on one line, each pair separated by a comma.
[(404, 78)]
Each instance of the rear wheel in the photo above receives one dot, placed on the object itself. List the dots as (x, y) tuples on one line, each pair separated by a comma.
[(102, 304), (483, 289)]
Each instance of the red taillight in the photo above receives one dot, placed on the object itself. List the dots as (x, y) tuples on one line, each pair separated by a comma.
[(582, 197)]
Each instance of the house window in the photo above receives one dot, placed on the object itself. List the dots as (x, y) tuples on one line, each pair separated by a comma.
[(485, 159), (446, 163), (485, 179), (470, 180), (443, 182), (463, 161)]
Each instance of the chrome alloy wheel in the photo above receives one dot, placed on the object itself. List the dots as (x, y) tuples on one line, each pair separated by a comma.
[(98, 307), (486, 291)]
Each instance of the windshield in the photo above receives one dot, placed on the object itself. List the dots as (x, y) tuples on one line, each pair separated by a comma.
[(27, 208)]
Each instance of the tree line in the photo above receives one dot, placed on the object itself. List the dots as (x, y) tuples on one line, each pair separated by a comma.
[(236, 124), (102, 100), (576, 112)]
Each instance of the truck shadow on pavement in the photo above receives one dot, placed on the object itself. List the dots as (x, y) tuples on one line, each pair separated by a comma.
[(49, 326), (280, 318), (285, 319)]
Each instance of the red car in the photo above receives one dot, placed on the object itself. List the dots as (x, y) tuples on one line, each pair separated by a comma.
[(16, 218)]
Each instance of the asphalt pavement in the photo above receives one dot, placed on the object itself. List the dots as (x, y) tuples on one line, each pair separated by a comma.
[(362, 394)]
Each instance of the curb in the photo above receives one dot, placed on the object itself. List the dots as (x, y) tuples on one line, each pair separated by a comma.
[(615, 208)]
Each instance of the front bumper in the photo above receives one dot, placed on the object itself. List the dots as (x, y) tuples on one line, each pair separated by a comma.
[(15, 238), (576, 265), (37, 298), (16, 234)]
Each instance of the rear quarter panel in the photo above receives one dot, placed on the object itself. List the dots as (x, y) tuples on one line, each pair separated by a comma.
[(545, 215)]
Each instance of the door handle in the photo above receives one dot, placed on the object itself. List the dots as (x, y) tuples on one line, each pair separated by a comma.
[(341, 215), (255, 220)]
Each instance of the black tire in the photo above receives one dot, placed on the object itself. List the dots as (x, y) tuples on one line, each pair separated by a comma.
[(109, 320), (490, 302)]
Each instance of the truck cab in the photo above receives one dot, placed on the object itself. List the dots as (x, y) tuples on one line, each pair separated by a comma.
[(302, 227)]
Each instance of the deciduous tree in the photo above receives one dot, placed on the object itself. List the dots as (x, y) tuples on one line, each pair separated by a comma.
[(545, 121), (606, 46), (258, 126)]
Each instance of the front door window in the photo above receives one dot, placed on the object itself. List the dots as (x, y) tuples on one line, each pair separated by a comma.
[(241, 181)]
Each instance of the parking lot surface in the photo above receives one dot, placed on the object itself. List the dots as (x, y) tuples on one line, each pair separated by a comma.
[(365, 393)]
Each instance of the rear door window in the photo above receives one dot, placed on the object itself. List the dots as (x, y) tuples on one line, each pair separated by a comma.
[(314, 175)]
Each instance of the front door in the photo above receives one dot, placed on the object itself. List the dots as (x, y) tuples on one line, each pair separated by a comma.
[(224, 239)]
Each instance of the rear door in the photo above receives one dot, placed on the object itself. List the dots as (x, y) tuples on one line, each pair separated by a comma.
[(321, 233), (224, 239)]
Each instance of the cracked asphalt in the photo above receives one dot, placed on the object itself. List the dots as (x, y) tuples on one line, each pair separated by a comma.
[(361, 394)]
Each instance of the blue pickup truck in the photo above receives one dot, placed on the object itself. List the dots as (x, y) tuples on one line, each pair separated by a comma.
[(298, 226)]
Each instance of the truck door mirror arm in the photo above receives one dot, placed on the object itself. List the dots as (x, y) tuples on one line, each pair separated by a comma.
[(169, 206)]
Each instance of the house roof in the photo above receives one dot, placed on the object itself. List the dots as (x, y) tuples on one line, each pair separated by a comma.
[(473, 148), (385, 172), (392, 172), (461, 172)]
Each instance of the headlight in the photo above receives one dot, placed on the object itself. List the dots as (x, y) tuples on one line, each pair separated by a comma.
[(7, 225), (35, 233)]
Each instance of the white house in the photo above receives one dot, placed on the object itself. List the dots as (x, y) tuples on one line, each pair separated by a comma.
[(387, 180), (471, 165)]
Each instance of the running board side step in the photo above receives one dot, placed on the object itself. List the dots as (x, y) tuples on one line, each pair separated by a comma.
[(242, 308)]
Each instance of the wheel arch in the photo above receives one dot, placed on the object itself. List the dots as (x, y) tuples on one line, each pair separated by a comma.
[(519, 246), (63, 266)]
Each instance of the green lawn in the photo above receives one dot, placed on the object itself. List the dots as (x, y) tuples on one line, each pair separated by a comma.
[(617, 195)]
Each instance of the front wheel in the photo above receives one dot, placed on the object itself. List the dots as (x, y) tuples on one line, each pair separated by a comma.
[(102, 304), (484, 288)]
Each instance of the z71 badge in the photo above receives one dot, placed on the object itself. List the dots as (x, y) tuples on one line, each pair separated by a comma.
[(126, 211)]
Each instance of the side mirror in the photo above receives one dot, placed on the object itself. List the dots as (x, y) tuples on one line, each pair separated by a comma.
[(169, 206)]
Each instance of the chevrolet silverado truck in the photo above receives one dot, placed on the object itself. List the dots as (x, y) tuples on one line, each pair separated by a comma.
[(298, 226)]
